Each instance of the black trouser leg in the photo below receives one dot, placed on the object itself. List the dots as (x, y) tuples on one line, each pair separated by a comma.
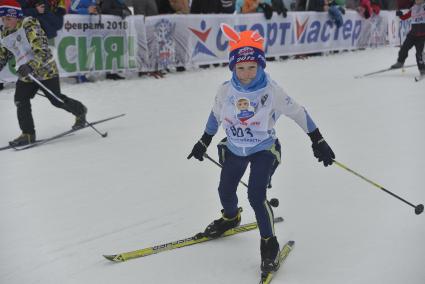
[(408, 43), (419, 45), (24, 92), (60, 100)]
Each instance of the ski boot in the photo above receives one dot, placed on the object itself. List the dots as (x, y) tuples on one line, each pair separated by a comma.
[(269, 254), (80, 119), (397, 65), (22, 140), (219, 226)]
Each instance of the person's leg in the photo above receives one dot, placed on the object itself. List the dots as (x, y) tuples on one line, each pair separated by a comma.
[(233, 169), (58, 99), (261, 169), (231, 173), (404, 50), (24, 92), (419, 45), (61, 101)]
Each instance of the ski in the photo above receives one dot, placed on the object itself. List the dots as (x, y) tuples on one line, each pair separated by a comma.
[(14, 147), (381, 71), (10, 147), (266, 278), (60, 135), (196, 239)]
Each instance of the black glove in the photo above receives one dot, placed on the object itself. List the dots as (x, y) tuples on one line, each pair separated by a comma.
[(200, 147), (321, 149), (268, 11), (399, 13), (24, 70)]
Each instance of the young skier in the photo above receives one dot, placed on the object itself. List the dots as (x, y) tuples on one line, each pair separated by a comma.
[(25, 40), (248, 107), (415, 37)]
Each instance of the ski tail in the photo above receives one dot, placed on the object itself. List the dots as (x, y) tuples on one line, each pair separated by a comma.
[(372, 73), (196, 239)]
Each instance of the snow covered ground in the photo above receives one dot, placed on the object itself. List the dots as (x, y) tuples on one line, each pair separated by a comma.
[(66, 203)]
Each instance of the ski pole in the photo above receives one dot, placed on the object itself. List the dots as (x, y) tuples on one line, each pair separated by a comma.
[(273, 202), (418, 208), (60, 100)]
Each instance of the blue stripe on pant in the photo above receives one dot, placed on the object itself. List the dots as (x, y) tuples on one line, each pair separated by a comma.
[(260, 171)]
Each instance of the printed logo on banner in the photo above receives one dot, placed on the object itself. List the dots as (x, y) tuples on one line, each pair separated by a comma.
[(316, 31), (202, 36), (164, 31), (300, 28)]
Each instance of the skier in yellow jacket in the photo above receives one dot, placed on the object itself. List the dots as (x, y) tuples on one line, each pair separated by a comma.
[(25, 40)]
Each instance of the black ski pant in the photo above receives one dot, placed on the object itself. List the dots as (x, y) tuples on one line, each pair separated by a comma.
[(409, 42), (25, 91)]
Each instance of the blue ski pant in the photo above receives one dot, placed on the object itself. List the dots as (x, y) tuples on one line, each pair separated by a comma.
[(262, 166)]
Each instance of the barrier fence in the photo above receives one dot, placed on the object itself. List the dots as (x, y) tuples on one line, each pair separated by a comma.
[(109, 43)]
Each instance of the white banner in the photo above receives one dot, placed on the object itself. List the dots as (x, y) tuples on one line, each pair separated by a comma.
[(100, 43), (108, 43)]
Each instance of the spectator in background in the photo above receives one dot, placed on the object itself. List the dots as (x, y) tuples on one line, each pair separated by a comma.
[(48, 12), (352, 4), (368, 8), (164, 7), (279, 7), (212, 7), (180, 6), (335, 11), (83, 7), (117, 8), (173, 6), (254, 6), (144, 7), (300, 5), (114, 7), (315, 5), (405, 4)]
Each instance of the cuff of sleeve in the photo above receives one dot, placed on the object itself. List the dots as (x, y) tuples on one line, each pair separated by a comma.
[(315, 136), (206, 138)]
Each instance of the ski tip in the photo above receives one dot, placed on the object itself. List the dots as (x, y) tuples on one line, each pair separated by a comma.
[(113, 257), (291, 243)]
